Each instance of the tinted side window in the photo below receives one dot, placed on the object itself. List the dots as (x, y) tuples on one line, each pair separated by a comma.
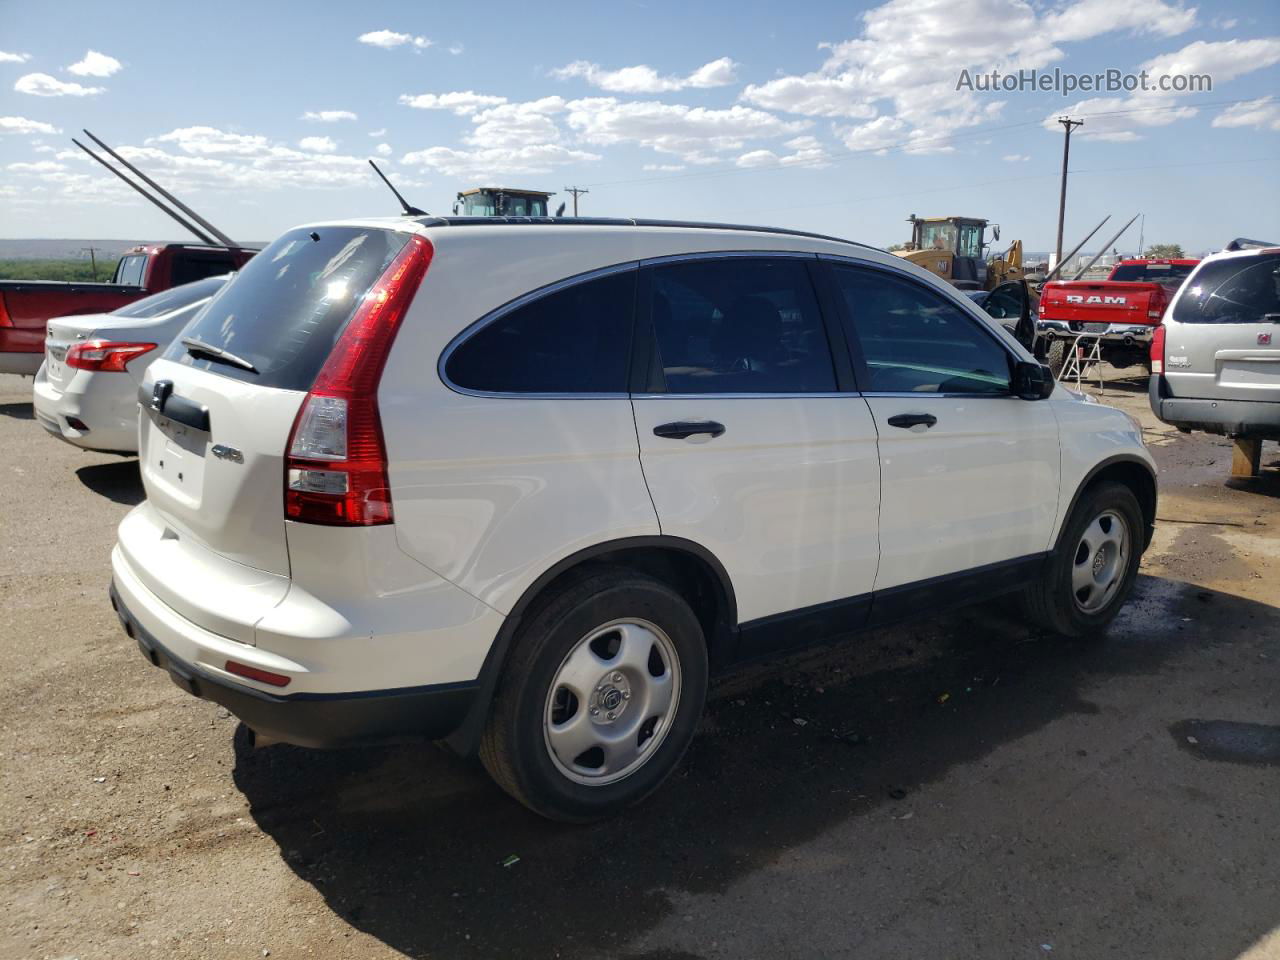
[(1237, 290), (188, 269), (575, 340), (740, 325), (914, 341)]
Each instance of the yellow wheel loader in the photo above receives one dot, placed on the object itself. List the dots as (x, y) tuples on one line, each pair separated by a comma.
[(954, 248)]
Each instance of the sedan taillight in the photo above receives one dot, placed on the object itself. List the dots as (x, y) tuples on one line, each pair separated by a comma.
[(106, 356)]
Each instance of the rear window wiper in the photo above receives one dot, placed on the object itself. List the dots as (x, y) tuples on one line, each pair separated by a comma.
[(198, 348)]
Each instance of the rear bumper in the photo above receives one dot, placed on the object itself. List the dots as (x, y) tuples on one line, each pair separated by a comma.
[(23, 363), (1231, 418), (313, 719), (1119, 334), (111, 417)]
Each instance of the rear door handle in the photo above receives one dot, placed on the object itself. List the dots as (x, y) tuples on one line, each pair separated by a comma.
[(909, 420), (683, 429)]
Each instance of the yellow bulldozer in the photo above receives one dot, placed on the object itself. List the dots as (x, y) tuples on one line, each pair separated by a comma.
[(955, 248)]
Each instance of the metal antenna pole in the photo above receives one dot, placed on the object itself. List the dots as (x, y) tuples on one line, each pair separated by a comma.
[(575, 191), (1067, 124), (186, 224), (165, 193)]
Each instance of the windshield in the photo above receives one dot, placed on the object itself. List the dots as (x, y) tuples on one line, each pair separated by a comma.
[(284, 311), (513, 205), (937, 236), (173, 299), (1166, 274), (1236, 290)]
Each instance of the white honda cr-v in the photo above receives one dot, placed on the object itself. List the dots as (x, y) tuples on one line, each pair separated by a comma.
[(527, 485)]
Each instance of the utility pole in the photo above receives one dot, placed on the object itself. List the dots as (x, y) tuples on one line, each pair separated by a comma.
[(575, 191), (1067, 124), (93, 261)]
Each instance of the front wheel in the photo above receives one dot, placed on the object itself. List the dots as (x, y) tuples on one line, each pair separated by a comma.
[(1088, 578), (600, 698)]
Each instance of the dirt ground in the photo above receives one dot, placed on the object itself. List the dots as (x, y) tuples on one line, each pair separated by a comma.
[(961, 787)]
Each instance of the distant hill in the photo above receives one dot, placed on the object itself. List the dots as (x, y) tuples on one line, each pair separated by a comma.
[(107, 251)]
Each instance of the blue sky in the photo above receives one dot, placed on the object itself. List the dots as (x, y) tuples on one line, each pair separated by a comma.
[(836, 117)]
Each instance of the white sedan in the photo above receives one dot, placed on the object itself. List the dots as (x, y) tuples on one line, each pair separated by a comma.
[(86, 391)]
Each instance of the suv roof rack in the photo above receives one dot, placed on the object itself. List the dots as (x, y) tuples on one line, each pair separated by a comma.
[(627, 222), (1244, 243)]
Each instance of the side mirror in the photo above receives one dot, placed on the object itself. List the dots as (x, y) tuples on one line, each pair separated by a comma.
[(455, 209), (995, 231), (1032, 381)]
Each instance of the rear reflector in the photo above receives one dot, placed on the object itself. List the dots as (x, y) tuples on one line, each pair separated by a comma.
[(336, 470), (1157, 349), (105, 356), (253, 673)]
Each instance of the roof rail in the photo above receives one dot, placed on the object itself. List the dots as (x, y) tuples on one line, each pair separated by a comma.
[(627, 222), (1244, 243)]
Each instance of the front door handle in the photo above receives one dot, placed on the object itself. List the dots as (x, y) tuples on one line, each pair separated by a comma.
[(909, 420), (683, 429)]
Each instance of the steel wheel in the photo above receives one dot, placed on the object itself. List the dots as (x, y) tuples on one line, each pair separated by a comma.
[(612, 702), (1099, 564)]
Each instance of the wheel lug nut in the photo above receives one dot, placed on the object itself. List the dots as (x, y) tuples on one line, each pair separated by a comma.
[(626, 694), (617, 678), (611, 714), (595, 711)]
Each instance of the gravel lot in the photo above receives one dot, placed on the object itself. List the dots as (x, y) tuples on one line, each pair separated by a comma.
[(961, 787)]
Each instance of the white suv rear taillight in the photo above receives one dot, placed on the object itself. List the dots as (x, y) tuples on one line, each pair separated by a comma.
[(336, 468), (1157, 349)]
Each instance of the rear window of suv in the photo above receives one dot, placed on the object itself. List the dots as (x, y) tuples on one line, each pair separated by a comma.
[(287, 307), (1168, 274), (1235, 290)]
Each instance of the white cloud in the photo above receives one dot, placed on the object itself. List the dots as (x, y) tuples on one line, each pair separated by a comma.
[(1261, 114), (1085, 19), (516, 124), (191, 160), (645, 79), (210, 141), (806, 151), (1015, 158), (380, 132), (95, 64), (40, 166), (672, 127), (43, 85), (383, 149), (329, 116), (536, 158), (462, 102), (1121, 119), (14, 57), (318, 144), (899, 74), (663, 167), (456, 48), (25, 127), (387, 39)]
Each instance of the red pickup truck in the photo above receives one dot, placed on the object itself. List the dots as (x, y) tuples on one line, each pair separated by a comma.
[(1121, 311), (26, 306)]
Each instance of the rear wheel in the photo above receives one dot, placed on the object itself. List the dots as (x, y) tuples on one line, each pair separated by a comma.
[(1055, 356), (600, 698), (1088, 578)]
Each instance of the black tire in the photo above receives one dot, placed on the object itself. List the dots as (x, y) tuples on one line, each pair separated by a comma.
[(1051, 603), (514, 748), (1055, 357)]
